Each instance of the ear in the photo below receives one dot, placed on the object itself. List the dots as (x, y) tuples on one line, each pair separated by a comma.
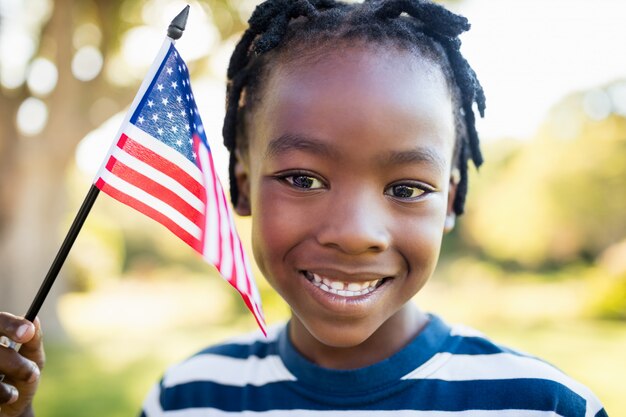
[(450, 214), (243, 186)]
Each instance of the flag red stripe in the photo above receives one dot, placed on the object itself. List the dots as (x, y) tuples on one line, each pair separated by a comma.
[(150, 212), (153, 188), (159, 163)]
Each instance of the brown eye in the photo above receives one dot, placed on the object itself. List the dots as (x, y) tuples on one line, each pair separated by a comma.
[(406, 191), (304, 181)]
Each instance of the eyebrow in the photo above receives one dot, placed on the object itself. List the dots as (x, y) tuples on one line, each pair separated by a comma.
[(414, 156), (289, 142)]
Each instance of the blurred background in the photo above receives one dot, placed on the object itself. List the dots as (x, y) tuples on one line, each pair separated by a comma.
[(537, 262)]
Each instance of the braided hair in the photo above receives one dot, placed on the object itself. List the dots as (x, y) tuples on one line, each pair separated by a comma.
[(291, 28)]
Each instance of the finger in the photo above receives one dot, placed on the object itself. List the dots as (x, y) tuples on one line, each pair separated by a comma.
[(33, 349), (16, 367), (16, 328), (8, 394)]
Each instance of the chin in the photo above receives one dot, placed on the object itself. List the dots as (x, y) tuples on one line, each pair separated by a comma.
[(340, 335)]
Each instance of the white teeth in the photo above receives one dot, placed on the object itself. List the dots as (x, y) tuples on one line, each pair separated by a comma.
[(344, 289), (336, 285)]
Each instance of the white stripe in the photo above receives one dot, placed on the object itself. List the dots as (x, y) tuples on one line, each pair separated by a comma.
[(229, 371), (493, 367), (211, 235), (164, 151), (213, 412), (226, 263), (160, 206), (152, 403), (159, 177)]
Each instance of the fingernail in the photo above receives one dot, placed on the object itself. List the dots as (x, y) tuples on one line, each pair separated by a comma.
[(35, 374), (14, 395), (21, 331)]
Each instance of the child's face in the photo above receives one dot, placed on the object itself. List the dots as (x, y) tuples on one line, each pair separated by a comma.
[(348, 179)]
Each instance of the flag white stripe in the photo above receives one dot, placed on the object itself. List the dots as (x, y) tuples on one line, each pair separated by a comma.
[(228, 371), (164, 151), (226, 263), (214, 412), (211, 235), (155, 203), (159, 177)]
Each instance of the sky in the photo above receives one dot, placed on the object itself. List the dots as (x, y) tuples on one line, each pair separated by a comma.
[(529, 54)]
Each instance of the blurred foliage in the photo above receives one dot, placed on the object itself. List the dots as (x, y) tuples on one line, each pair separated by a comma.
[(557, 199)]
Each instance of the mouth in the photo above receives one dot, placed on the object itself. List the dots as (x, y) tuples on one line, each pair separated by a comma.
[(343, 288)]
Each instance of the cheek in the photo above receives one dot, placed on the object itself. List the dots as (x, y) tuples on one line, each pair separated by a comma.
[(275, 230)]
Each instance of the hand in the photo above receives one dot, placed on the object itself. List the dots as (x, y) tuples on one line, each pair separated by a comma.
[(21, 370)]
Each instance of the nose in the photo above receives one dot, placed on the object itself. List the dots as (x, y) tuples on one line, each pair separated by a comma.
[(356, 224)]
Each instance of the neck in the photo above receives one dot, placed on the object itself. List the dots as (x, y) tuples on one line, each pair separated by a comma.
[(388, 339)]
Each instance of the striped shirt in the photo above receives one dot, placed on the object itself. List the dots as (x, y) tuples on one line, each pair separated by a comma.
[(444, 372)]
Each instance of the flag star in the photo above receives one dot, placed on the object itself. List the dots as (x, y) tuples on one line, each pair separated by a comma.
[(194, 126), (187, 127), (174, 85), (179, 142), (195, 155), (182, 113), (150, 103), (184, 66), (191, 95), (187, 97), (190, 140), (184, 83), (140, 119), (160, 131), (180, 69), (160, 87), (179, 99), (174, 129), (176, 54), (188, 82), (155, 117), (164, 101), (191, 112), (169, 115), (169, 70)]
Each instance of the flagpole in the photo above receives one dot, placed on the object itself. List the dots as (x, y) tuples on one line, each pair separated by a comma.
[(174, 31)]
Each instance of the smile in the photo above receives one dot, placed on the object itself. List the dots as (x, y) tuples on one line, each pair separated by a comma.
[(344, 289)]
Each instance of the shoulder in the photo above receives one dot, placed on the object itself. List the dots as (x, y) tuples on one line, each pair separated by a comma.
[(236, 361), (219, 374), (504, 375)]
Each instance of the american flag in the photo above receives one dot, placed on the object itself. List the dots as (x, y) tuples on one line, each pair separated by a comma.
[(161, 165)]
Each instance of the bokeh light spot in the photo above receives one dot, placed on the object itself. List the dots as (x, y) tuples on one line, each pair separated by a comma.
[(87, 63), (32, 116), (42, 76)]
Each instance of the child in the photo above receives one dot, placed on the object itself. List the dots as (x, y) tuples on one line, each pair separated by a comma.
[(350, 127)]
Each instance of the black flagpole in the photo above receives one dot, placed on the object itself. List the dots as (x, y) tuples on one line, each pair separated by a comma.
[(174, 31)]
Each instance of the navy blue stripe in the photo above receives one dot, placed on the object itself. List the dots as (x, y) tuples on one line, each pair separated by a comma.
[(239, 351), (601, 413), (526, 394)]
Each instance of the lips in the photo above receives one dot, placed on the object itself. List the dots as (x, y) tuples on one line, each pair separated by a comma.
[(343, 288)]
